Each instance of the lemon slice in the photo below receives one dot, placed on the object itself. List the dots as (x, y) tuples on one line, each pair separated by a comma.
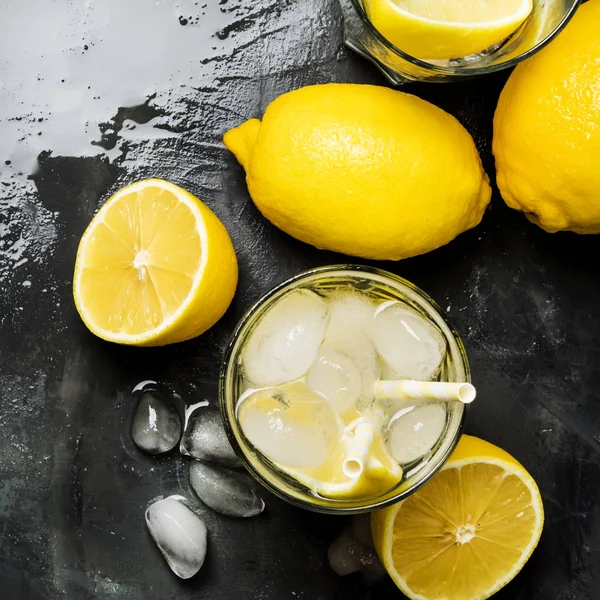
[(301, 434), (155, 266), (468, 532), (381, 474), (445, 29)]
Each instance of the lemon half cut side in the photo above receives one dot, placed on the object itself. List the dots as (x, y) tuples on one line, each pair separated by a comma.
[(467, 532), (155, 266)]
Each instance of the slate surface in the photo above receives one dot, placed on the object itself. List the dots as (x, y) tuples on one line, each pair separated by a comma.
[(95, 95)]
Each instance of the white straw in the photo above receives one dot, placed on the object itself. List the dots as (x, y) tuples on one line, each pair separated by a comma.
[(365, 430), (425, 390)]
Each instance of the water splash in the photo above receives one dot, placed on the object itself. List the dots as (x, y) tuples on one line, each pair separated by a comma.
[(126, 81)]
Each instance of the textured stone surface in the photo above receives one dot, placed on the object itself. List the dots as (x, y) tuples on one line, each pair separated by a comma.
[(166, 80)]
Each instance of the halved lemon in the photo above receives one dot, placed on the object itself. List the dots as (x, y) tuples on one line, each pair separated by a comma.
[(445, 29), (465, 534), (155, 266)]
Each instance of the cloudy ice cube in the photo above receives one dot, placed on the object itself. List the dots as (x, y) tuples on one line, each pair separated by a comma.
[(156, 426), (347, 554), (286, 340), (351, 317), (410, 346), (349, 313), (336, 378), (179, 533), (225, 491), (413, 433), (344, 554), (290, 425), (205, 438)]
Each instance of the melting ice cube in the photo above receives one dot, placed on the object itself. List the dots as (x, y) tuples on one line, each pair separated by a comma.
[(286, 340), (414, 433), (411, 347), (336, 378), (290, 425), (179, 533), (347, 554), (225, 491), (205, 438), (156, 426)]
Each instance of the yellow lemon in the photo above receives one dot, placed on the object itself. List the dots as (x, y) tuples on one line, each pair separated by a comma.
[(155, 266), (444, 29), (362, 170), (465, 534), (547, 130)]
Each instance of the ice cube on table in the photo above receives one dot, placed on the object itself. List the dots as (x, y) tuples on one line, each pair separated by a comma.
[(410, 346), (179, 533), (286, 340), (413, 434), (225, 491), (156, 426), (290, 425), (336, 378), (205, 438), (347, 555)]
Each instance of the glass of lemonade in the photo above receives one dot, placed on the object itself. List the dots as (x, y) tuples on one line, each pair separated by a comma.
[(299, 389), (400, 62)]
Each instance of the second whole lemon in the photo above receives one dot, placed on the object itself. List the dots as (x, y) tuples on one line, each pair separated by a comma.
[(362, 170), (547, 130)]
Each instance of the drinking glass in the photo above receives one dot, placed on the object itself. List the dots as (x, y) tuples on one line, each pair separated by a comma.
[(381, 286), (547, 20)]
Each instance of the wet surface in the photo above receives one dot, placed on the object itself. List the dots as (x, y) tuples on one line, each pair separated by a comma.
[(95, 95)]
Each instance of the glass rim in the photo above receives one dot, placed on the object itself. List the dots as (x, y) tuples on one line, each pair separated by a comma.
[(357, 506), (463, 71)]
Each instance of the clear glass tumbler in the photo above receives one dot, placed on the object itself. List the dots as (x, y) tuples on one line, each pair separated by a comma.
[(379, 285), (546, 21)]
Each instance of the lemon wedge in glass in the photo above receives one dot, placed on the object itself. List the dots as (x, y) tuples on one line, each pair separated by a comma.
[(301, 434), (445, 29)]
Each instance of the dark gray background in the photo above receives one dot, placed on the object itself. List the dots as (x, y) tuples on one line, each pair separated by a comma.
[(99, 94)]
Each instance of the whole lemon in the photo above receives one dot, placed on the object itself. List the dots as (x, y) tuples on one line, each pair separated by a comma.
[(547, 130), (362, 170)]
